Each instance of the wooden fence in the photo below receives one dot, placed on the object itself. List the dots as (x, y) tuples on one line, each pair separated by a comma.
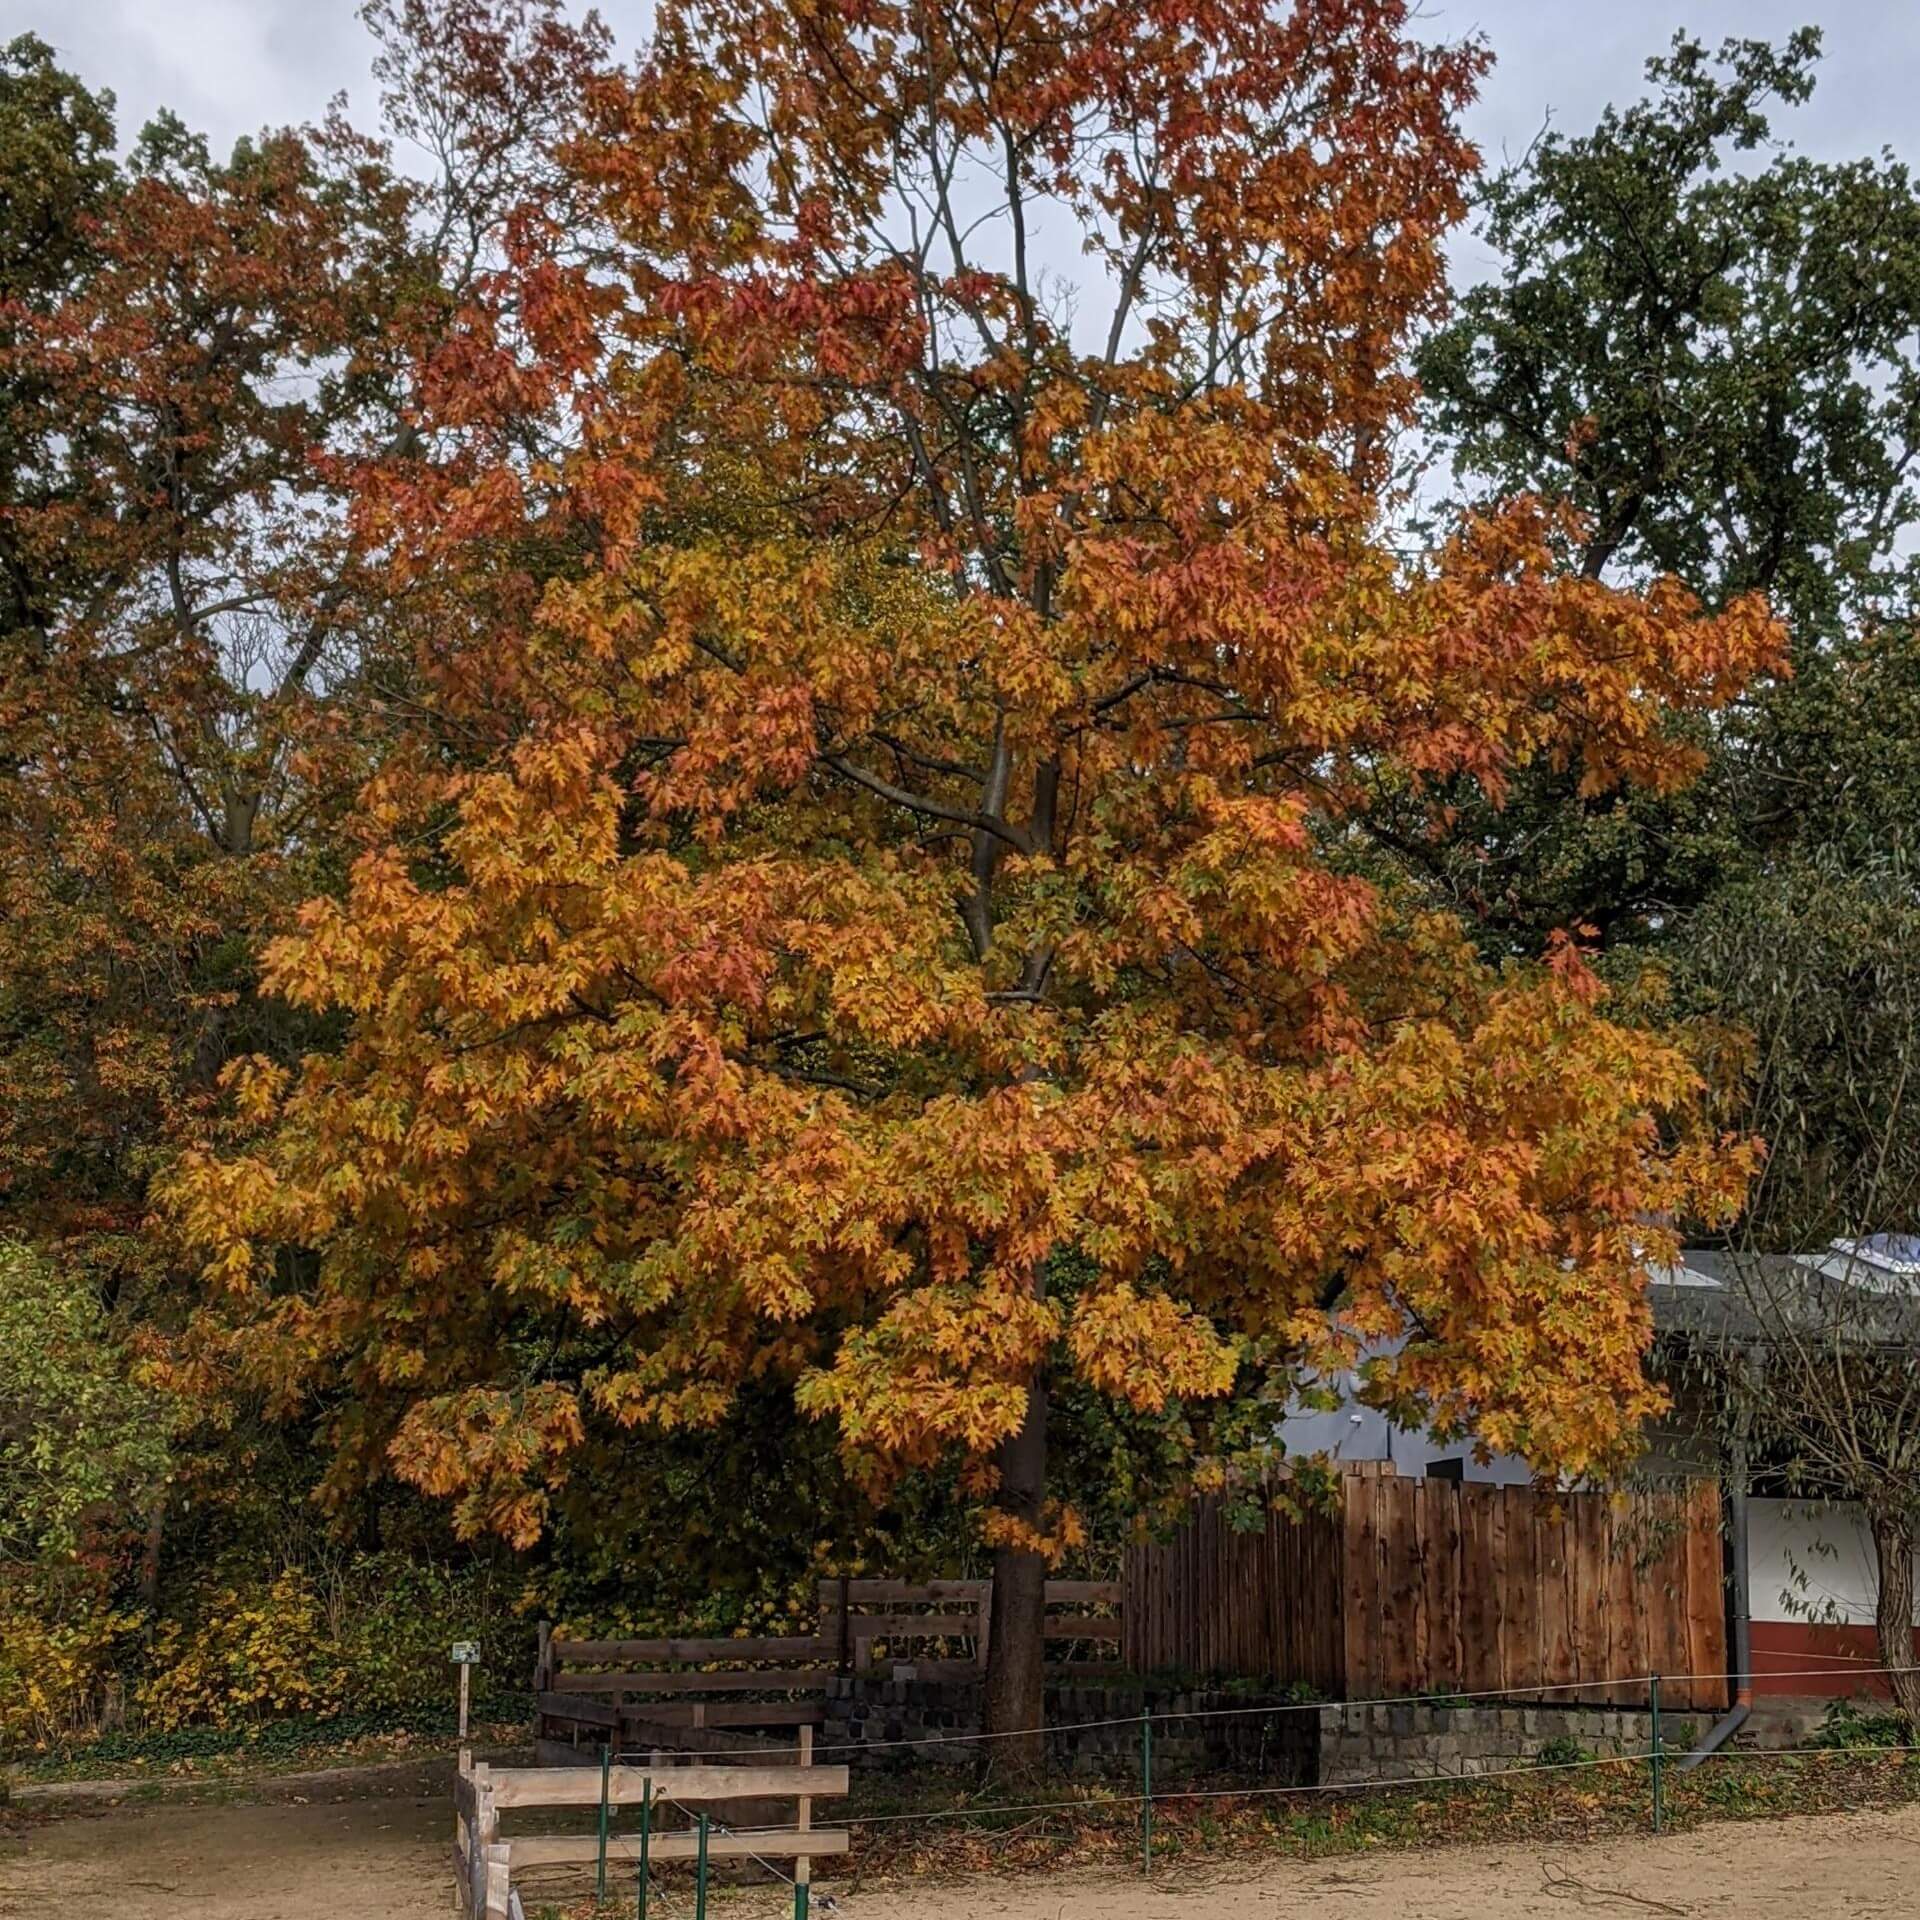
[(940, 1628), (1217, 1601), (637, 1695), (1432, 1586), (487, 1861)]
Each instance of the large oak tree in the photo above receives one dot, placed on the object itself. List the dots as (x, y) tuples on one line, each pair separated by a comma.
[(907, 582)]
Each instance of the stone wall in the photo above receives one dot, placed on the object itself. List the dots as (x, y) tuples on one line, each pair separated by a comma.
[(1411, 1741), (894, 1724)]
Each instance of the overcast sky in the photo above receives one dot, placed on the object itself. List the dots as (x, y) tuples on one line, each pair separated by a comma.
[(230, 66)]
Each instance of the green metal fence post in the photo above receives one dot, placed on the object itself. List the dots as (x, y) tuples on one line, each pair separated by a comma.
[(600, 1866), (700, 1874), (799, 1900), (1146, 1793), (646, 1841), (1659, 1809)]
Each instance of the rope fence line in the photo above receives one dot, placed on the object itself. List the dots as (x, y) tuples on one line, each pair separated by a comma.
[(1655, 1758), (1533, 1769), (1444, 1697)]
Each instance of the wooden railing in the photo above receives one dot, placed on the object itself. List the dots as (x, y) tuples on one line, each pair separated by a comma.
[(487, 1860), (940, 1628), (633, 1694)]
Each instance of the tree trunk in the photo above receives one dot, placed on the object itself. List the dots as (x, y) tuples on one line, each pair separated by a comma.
[(150, 1547), (1893, 1610), (1016, 1632)]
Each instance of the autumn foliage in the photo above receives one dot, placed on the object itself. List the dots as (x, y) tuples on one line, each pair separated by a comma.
[(895, 802)]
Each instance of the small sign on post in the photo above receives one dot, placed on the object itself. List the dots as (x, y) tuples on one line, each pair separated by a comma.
[(466, 1656)]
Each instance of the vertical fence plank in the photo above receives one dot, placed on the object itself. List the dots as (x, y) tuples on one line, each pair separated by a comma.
[(1706, 1601), (1479, 1646), (1556, 1640), (1588, 1594), (1520, 1665), (1670, 1594), (1400, 1581), (1499, 1605), (1362, 1622), (1444, 1587)]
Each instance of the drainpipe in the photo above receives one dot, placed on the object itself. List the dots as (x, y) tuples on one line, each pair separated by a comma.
[(1731, 1722)]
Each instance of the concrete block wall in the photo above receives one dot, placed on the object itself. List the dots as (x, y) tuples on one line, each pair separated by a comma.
[(1092, 1730), (1418, 1741)]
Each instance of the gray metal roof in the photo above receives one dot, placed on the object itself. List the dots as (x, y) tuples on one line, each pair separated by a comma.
[(1841, 1293)]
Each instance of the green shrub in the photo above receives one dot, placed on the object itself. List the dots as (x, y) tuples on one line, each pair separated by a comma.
[(1859, 1723)]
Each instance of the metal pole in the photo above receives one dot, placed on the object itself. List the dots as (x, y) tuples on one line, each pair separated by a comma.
[(1659, 1809), (466, 1681), (1146, 1793), (799, 1900), (700, 1875), (646, 1838), (600, 1866)]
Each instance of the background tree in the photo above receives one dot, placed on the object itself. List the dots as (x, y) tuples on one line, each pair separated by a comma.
[(196, 672), (84, 1446), (1711, 353), (1708, 352), (887, 898)]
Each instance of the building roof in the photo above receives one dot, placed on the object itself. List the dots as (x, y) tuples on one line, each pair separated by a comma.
[(1865, 1291)]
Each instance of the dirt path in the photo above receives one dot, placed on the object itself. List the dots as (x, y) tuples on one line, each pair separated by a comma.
[(1803, 1869), (385, 1859)]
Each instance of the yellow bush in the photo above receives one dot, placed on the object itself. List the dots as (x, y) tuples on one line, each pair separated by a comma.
[(57, 1675), (251, 1657)]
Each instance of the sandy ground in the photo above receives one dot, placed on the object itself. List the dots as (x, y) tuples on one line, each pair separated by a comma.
[(386, 1859), (1809, 1869)]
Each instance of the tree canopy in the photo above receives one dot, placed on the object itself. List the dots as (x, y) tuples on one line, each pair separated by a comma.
[(887, 894), (1704, 343)]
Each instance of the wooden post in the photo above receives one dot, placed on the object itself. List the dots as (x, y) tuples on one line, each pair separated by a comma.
[(462, 1835), (600, 1865), (543, 1661), (466, 1689), (486, 1836), (1653, 1708), (499, 1895), (803, 1818), (646, 1841)]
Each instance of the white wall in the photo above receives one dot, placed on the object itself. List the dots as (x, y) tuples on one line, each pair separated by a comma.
[(1811, 1564), (1364, 1433)]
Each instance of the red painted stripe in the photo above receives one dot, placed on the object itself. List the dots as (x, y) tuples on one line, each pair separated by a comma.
[(1801, 1653)]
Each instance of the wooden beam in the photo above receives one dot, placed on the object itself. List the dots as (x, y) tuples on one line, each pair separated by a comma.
[(600, 1653), (1092, 1593), (722, 1713), (767, 1680), (499, 1865), (580, 1786), (803, 1818), (867, 1593), (574, 1705), (570, 1850), (918, 1626)]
